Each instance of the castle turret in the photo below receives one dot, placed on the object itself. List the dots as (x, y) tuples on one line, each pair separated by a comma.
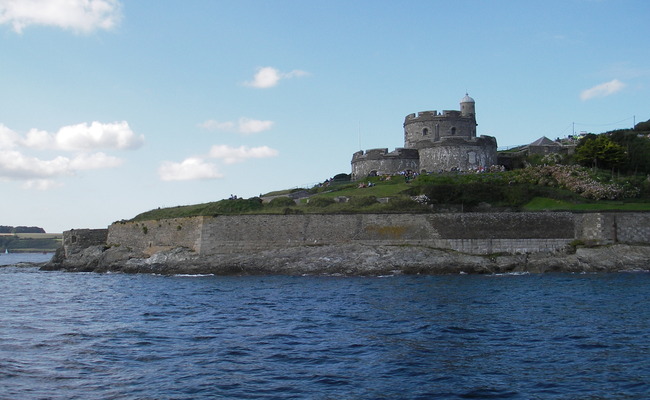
[(467, 106)]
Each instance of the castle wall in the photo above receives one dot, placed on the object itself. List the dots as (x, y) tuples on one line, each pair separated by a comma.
[(383, 162), (478, 233), (152, 236), (459, 154), (474, 233), (75, 240), (431, 126)]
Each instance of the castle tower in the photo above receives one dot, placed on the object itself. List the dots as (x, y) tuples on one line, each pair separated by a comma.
[(467, 106), (433, 141), (432, 126)]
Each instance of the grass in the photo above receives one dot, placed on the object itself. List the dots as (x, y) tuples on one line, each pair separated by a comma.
[(56, 236), (499, 190), (31, 242), (380, 189), (547, 204)]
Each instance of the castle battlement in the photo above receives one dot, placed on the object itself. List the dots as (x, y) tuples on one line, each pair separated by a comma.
[(428, 115), (375, 154)]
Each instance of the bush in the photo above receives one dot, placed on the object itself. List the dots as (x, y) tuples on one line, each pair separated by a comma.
[(320, 202), (233, 206), (362, 201), (283, 201), (292, 211), (404, 203)]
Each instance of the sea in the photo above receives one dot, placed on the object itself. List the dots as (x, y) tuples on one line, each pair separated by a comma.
[(514, 336)]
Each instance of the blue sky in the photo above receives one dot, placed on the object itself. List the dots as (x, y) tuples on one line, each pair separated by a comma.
[(112, 107)]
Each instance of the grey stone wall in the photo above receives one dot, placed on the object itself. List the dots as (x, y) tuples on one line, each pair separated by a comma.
[(478, 233), (380, 161), (75, 240), (431, 126), (461, 154), (152, 236), (614, 227), (474, 233), (632, 228)]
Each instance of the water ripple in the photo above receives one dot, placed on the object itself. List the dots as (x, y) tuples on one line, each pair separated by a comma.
[(113, 336)]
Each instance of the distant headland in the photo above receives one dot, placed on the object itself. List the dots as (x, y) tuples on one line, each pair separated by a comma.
[(27, 239)]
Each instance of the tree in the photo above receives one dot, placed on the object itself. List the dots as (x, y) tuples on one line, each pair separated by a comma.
[(643, 126), (637, 147), (599, 151)]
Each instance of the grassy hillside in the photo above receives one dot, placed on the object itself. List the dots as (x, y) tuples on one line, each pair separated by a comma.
[(535, 188)]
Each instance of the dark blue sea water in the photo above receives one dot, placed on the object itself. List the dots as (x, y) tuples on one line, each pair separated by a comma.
[(114, 336)]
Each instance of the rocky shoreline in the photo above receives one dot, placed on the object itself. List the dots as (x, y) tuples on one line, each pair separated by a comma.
[(353, 260)]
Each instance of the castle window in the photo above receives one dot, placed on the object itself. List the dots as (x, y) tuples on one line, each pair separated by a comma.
[(453, 130), (425, 131)]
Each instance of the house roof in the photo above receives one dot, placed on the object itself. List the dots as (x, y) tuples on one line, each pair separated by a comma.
[(544, 141)]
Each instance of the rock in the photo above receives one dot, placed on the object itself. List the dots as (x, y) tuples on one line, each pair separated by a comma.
[(353, 259)]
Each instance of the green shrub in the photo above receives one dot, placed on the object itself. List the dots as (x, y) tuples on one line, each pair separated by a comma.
[(320, 202), (292, 211), (233, 206), (283, 201), (362, 201), (403, 203)]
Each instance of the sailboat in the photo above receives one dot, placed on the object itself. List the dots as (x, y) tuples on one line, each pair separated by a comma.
[(6, 251)]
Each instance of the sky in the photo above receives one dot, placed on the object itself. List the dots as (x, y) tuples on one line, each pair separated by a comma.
[(109, 108)]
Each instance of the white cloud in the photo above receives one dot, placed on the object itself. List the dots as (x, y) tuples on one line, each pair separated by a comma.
[(16, 165), (94, 161), (267, 77), (80, 137), (38, 139), (192, 168), (8, 138), (602, 90), (245, 126), (231, 155), (84, 137), (77, 15)]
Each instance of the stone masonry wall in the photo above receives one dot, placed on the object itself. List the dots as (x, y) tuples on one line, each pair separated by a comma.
[(153, 236), (479, 233), (78, 239), (475, 233), (632, 228), (464, 155)]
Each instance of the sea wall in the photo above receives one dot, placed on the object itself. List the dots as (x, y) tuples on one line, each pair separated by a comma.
[(150, 237), (476, 233), (364, 244), (473, 233), (75, 240)]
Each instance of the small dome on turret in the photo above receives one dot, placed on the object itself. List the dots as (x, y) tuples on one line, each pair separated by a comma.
[(467, 99)]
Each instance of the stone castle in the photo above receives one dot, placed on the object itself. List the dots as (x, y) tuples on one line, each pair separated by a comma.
[(432, 142)]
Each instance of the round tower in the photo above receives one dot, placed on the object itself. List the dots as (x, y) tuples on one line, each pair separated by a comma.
[(467, 106)]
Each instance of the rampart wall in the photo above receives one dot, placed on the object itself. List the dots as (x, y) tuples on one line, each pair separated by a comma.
[(474, 233), (78, 239), (153, 236)]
